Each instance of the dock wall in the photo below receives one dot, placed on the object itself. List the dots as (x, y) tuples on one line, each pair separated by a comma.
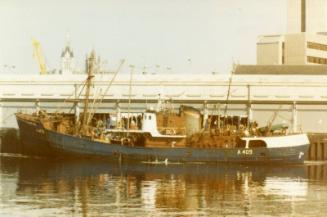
[(318, 147)]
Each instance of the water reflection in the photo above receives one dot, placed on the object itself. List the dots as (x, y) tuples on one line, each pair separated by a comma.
[(38, 187)]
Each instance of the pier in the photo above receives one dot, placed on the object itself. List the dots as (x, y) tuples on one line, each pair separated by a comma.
[(318, 147)]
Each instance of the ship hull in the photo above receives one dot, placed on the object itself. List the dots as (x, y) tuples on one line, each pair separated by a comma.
[(32, 137), (72, 145)]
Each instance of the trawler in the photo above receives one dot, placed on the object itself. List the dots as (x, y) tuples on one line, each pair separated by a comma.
[(165, 136)]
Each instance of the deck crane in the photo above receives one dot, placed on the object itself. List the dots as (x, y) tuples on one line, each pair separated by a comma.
[(39, 56), (272, 119)]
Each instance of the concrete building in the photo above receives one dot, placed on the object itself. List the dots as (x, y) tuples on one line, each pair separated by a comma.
[(306, 40), (306, 16), (292, 49)]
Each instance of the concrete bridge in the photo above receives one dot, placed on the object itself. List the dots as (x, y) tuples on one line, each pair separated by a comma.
[(299, 100)]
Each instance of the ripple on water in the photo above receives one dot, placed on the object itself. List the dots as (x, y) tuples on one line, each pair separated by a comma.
[(38, 187)]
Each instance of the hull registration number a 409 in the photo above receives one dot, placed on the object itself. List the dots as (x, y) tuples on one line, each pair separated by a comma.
[(245, 152)]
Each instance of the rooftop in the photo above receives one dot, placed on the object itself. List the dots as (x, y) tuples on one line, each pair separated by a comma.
[(281, 70)]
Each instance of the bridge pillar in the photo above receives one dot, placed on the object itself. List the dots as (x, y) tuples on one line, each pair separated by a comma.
[(205, 114), (76, 91), (159, 104), (118, 112), (37, 106), (249, 106), (294, 118), (218, 111), (249, 113)]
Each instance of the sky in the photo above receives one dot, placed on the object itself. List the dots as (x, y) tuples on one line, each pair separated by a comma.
[(175, 36)]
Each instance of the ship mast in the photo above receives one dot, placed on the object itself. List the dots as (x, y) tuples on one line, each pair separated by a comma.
[(229, 89), (90, 63), (129, 98)]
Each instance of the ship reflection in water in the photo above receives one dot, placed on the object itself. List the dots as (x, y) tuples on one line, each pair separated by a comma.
[(39, 187)]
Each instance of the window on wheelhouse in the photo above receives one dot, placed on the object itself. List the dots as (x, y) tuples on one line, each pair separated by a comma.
[(257, 144)]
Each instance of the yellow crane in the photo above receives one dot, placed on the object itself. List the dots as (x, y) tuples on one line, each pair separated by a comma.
[(38, 55)]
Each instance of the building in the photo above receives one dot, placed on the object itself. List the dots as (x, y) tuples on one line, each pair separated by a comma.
[(67, 60), (306, 40), (306, 16), (292, 49)]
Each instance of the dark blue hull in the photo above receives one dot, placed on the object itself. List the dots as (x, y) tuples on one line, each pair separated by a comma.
[(33, 138), (81, 146)]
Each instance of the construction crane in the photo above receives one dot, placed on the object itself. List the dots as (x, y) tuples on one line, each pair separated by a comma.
[(38, 55)]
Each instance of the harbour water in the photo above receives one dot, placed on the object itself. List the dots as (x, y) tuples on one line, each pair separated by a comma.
[(46, 187)]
